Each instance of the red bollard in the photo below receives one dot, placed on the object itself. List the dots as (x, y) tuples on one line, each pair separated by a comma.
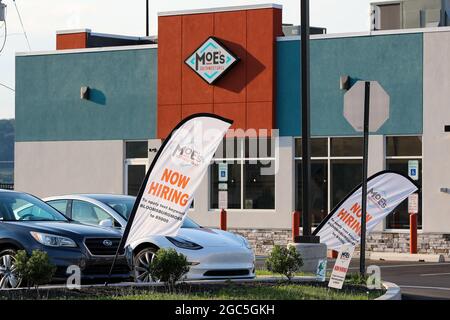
[(413, 233), (295, 225), (223, 220)]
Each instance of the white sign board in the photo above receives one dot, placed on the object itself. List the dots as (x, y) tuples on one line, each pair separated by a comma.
[(223, 172), (223, 186), (354, 106), (413, 203), (174, 176), (413, 169), (223, 199), (341, 266), (385, 191), (211, 60)]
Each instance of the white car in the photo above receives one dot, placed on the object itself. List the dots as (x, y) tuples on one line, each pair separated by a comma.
[(212, 253)]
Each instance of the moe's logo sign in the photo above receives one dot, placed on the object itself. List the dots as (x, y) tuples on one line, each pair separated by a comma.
[(377, 198), (211, 60)]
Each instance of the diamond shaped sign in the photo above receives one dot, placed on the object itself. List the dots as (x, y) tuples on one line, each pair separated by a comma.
[(211, 60)]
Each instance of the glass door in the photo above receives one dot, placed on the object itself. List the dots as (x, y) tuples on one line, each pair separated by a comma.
[(135, 171)]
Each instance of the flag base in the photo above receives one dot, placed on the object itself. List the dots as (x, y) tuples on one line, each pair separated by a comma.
[(311, 254), (307, 239)]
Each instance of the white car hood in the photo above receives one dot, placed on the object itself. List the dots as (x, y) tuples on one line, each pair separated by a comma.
[(211, 237)]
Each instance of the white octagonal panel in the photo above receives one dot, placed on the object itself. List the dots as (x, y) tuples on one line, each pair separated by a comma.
[(354, 106)]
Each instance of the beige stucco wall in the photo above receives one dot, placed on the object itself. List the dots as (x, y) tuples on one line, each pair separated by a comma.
[(55, 168), (436, 143)]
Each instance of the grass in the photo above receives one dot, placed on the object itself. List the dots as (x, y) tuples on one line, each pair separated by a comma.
[(265, 273), (278, 292)]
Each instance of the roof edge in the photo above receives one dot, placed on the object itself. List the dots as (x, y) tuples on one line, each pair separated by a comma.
[(221, 9), (87, 50)]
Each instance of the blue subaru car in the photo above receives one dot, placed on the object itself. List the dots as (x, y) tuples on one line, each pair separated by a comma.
[(27, 223)]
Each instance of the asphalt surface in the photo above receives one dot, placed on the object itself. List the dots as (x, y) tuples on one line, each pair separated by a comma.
[(418, 280)]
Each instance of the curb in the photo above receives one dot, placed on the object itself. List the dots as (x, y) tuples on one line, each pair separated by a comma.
[(390, 256), (393, 292)]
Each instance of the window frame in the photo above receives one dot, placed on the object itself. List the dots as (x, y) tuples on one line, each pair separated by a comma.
[(137, 162), (241, 162), (386, 158), (68, 212), (328, 159), (132, 162)]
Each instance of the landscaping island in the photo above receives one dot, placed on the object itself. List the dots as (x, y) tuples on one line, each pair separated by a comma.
[(256, 290)]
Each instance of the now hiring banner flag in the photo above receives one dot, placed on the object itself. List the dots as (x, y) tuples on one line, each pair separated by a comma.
[(385, 191), (174, 175)]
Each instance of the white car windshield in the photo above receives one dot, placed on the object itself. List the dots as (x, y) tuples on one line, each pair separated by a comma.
[(23, 207), (123, 205)]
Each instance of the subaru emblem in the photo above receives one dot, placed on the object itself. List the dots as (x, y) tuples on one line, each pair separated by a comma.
[(107, 243)]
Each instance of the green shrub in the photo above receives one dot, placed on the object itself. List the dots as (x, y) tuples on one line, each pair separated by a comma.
[(36, 269), (168, 266), (356, 279), (284, 260)]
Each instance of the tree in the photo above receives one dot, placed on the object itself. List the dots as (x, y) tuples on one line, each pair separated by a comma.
[(284, 260)]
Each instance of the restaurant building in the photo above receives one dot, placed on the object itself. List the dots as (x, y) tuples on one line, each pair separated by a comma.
[(91, 115)]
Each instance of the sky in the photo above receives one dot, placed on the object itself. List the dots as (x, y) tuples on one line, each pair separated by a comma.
[(42, 18)]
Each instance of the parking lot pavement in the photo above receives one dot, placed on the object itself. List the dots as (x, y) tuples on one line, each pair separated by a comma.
[(418, 280)]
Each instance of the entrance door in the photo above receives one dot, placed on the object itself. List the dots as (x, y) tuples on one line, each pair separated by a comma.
[(135, 170)]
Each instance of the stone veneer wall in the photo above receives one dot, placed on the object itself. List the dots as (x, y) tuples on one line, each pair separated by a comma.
[(263, 240), (432, 243)]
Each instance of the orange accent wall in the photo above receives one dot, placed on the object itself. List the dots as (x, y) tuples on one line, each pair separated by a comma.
[(71, 41), (246, 94)]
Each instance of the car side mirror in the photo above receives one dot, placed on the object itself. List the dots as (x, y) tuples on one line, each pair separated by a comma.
[(106, 223)]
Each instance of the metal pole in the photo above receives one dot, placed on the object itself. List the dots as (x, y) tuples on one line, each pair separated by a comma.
[(306, 128), (306, 133), (413, 233), (362, 261), (147, 22)]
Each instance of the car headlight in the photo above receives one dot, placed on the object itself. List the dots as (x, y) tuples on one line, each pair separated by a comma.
[(52, 240), (184, 244)]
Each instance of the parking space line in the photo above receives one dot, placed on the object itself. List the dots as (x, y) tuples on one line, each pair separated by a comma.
[(420, 287), (408, 265), (435, 274)]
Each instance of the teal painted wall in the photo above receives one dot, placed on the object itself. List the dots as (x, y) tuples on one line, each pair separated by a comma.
[(122, 103), (396, 61)]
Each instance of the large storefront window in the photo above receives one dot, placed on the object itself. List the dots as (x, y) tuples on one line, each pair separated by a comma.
[(346, 175), (245, 170), (259, 189), (234, 184), (403, 153), (319, 188), (335, 171)]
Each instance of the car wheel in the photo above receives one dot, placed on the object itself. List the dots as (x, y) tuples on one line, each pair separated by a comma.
[(8, 275), (142, 261)]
